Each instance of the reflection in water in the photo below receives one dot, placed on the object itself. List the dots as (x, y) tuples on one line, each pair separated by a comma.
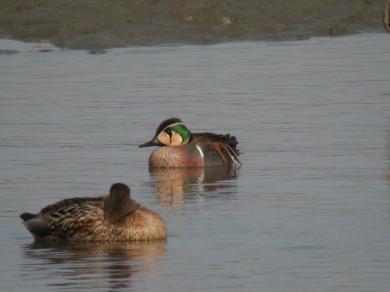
[(172, 184), (93, 265)]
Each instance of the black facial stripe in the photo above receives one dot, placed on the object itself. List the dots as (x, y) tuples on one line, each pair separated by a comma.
[(166, 124)]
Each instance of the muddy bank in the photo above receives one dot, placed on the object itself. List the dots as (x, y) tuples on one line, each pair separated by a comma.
[(97, 24)]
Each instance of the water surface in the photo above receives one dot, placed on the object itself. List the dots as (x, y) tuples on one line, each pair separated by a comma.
[(309, 210)]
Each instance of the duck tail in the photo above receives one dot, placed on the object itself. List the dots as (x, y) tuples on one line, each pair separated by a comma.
[(27, 216), (36, 224)]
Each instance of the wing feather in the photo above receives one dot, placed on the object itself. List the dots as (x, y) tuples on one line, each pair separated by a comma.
[(224, 145), (72, 216)]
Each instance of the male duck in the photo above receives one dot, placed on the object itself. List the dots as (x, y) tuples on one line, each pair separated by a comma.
[(186, 149), (115, 217)]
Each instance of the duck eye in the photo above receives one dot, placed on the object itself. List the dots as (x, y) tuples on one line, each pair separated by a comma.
[(169, 132)]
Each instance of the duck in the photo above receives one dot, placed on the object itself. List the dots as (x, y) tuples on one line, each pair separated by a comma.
[(178, 147), (109, 218)]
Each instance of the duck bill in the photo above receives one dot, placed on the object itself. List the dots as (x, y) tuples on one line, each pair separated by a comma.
[(152, 142)]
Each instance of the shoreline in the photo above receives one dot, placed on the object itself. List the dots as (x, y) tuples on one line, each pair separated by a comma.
[(99, 25)]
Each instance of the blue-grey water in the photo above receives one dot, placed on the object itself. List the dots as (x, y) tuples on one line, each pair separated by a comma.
[(309, 210)]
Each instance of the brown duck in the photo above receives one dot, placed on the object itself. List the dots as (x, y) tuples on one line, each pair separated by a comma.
[(115, 217)]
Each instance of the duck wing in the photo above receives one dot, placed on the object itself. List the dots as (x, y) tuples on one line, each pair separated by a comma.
[(64, 218), (70, 202), (224, 145)]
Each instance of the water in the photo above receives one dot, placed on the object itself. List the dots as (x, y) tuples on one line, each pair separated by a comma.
[(309, 210)]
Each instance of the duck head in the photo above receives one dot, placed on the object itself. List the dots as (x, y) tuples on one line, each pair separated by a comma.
[(171, 132), (118, 204)]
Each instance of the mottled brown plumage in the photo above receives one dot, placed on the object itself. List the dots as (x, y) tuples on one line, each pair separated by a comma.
[(115, 217)]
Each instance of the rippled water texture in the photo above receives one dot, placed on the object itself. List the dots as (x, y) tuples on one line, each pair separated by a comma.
[(309, 210)]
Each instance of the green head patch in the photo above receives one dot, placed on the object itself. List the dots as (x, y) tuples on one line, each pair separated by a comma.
[(182, 130)]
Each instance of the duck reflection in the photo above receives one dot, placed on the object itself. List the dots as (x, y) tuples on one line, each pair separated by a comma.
[(172, 184), (97, 265)]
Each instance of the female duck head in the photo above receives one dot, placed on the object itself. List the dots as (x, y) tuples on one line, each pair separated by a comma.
[(171, 132), (118, 203)]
